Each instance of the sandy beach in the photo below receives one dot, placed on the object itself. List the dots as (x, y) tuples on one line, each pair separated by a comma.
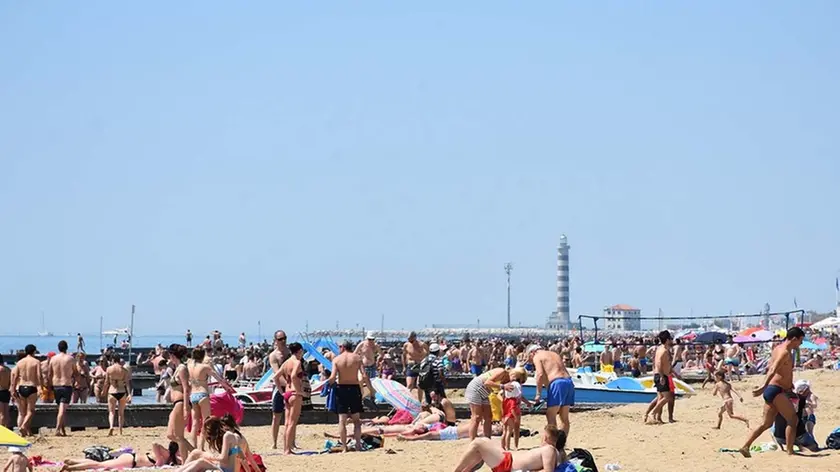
[(613, 436)]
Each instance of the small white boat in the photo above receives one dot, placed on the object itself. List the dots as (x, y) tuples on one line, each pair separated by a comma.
[(596, 387)]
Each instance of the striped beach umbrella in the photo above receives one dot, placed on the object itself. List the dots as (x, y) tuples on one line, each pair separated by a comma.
[(396, 394)]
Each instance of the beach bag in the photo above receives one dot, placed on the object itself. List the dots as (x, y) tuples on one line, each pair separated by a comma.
[(583, 458), (426, 379), (259, 461), (833, 440), (98, 453)]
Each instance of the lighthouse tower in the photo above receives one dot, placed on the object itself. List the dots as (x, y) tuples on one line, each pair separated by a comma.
[(561, 318)]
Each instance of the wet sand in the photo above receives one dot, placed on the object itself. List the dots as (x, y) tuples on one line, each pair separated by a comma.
[(615, 435)]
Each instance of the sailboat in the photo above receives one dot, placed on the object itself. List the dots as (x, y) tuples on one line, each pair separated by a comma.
[(44, 331)]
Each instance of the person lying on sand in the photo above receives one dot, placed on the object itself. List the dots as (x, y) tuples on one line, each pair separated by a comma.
[(159, 456), (545, 457), (449, 433)]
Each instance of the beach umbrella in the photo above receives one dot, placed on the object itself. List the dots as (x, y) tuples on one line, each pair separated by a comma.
[(826, 323), (820, 341), (10, 439), (710, 337), (750, 331), (757, 336), (396, 395), (812, 346)]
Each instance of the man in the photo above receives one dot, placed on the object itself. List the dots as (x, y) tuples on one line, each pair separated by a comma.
[(616, 358), (26, 379), (465, 356), (60, 380), (678, 354), (732, 362), (577, 362), (369, 352), (242, 340), (436, 376), (778, 385), (477, 359), (5, 393), (544, 458), (276, 359), (663, 379), (80, 343), (551, 372), (347, 368), (607, 360), (413, 354), (188, 336)]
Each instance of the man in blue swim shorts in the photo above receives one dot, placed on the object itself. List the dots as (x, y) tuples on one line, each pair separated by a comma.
[(777, 386), (552, 373)]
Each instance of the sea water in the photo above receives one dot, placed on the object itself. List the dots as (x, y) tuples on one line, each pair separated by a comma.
[(94, 343)]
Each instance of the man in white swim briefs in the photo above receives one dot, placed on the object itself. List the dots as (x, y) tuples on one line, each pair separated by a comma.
[(551, 372)]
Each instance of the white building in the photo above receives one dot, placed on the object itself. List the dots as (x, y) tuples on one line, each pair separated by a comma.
[(622, 318)]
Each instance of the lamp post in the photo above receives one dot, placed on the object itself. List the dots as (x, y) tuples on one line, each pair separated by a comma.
[(508, 270)]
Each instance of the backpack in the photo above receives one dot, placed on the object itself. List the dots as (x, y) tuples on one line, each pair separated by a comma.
[(427, 376), (833, 440), (583, 458)]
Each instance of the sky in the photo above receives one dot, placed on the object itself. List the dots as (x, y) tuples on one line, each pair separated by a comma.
[(219, 164)]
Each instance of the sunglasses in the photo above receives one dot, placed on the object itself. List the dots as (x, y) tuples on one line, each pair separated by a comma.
[(280, 339)]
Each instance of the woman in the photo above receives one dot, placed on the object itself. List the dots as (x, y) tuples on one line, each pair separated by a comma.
[(100, 392), (292, 374), (226, 445), (81, 379), (116, 379), (232, 369), (478, 396), (229, 424), (179, 392), (160, 456), (200, 374)]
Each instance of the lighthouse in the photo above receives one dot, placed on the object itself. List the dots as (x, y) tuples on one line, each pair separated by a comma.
[(561, 319)]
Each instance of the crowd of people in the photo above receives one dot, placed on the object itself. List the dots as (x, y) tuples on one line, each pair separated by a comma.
[(186, 378)]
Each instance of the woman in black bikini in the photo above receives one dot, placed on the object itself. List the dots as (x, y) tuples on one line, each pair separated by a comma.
[(116, 379), (179, 393), (160, 456)]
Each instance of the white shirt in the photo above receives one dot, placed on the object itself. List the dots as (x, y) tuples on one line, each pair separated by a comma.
[(515, 392)]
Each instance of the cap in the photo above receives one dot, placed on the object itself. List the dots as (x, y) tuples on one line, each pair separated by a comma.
[(50, 354), (15, 450), (801, 385), (434, 347), (370, 335), (533, 348)]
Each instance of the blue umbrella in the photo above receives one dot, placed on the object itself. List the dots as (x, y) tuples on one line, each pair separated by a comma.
[(710, 338), (812, 346)]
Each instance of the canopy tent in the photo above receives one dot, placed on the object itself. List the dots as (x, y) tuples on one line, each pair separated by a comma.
[(829, 322)]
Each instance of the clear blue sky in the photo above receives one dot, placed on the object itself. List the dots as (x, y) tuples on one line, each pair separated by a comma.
[(217, 164)]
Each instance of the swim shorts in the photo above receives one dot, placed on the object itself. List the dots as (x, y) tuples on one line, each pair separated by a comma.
[(733, 361), (370, 370), (476, 369), (507, 463), (450, 433), (412, 370), (63, 394), (664, 383), (348, 399), (561, 392), (5, 396), (277, 404)]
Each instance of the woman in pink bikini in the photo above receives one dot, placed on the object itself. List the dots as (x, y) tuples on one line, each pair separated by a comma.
[(292, 375)]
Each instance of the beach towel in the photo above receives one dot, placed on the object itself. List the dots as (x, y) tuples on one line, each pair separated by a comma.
[(401, 417), (329, 391), (583, 458)]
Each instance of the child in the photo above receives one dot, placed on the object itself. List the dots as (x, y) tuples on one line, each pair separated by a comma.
[(511, 413), (18, 462), (725, 390)]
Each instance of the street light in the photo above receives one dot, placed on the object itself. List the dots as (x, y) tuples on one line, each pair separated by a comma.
[(508, 269)]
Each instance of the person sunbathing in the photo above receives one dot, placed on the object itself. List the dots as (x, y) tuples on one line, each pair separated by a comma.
[(545, 457), (448, 433), (159, 456)]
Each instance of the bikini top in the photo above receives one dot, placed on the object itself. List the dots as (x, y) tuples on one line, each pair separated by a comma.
[(175, 382), (234, 450)]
